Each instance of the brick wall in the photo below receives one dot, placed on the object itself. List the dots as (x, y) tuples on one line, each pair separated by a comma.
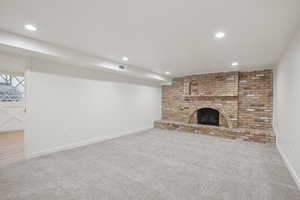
[(255, 99), (244, 99), (220, 84)]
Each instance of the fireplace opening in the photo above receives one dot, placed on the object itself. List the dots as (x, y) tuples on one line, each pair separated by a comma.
[(208, 116)]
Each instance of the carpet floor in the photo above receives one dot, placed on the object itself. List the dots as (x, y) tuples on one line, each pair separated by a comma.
[(154, 164)]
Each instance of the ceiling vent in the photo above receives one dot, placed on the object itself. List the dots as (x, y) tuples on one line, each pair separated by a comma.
[(122, 67)]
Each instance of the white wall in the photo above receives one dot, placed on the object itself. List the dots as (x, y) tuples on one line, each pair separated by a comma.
[(287, 107), (67, 107), (10, 63)]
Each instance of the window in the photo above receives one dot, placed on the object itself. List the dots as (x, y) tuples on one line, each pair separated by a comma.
[(11, 88)]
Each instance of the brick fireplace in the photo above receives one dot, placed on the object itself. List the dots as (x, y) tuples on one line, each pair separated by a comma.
[(242, 100)]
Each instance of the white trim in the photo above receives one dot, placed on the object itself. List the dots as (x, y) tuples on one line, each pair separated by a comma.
[(12, 131), (289, 166), (83, 143)]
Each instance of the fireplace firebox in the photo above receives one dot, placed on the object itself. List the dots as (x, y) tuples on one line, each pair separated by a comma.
[(208, 116)]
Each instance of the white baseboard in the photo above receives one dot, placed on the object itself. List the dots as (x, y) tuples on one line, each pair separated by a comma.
[(82, 143), (11, 130), (289, 166)]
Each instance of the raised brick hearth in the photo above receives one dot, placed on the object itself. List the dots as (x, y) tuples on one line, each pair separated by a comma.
[(242, 99), (253, 135)]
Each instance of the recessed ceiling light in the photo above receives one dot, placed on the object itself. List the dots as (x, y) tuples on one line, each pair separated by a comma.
[(168, 73), (219, 35), (30, 27), (125, 58), (234, 64)]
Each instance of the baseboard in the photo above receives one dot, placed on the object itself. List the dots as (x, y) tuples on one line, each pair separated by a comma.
[(12, 131), (83, 143), (289, 166)]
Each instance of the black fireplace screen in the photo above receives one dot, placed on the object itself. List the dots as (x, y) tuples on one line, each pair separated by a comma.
[(208, 116)]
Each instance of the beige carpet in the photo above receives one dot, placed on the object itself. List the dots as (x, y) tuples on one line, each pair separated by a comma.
[(155, 164)]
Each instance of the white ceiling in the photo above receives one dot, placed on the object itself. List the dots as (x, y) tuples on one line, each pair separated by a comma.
[(162, 35)]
